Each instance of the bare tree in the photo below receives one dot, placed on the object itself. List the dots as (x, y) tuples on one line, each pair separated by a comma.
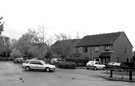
[(1, 25), (62, 36), (42, 41), (77, 35), (62, 45), (33, 43)]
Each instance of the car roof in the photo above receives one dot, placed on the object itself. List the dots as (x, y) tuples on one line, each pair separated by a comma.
[(36, 60), (93, 61)]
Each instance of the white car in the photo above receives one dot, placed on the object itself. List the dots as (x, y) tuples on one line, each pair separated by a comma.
[(95, 65), (114, 64), (56, 60), (38, 64)]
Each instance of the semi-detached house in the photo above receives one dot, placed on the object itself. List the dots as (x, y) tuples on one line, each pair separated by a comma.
[(114, 47)]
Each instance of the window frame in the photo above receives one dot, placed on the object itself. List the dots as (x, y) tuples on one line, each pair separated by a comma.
[(107, 47), (77, 50), (85, 49), (125, 50), (36, 62), (97, 49)]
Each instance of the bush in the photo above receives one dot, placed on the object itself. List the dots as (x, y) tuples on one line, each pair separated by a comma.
[(78, 60), (15, 53), (67, 65)]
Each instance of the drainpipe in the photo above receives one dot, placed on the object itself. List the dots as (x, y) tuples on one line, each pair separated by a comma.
[(91, 53)]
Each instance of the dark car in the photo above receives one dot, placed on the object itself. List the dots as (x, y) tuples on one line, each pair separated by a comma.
[(56, 61), (117, 65), (18, 60)]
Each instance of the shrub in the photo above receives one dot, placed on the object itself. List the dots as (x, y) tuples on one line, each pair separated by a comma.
[(78, 60), (15, 53), (67, 65)]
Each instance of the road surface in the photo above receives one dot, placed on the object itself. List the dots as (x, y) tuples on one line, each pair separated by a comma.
[(13, 75)]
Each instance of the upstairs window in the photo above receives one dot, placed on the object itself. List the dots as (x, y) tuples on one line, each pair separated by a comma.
[(77, 50), (125, 50), (85, 49), (107, 48), (97, 49)]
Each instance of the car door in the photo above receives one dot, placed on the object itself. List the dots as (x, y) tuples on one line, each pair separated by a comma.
[(33, 65), (40, 65), (97, 64)]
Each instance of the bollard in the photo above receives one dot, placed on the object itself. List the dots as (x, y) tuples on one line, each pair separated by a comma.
[(130, 75), (111, 73)]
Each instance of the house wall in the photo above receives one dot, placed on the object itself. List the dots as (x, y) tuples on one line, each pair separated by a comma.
[(91, 54), (101, 49), (119, 47), (84, 54)]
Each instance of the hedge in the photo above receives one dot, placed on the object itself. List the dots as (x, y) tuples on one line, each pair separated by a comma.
[(78, 60), (67, 65)]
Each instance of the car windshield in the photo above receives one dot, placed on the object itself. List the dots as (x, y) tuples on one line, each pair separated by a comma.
[(97, 63), (27, 61)]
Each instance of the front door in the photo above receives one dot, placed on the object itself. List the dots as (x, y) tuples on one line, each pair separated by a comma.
[(105, 60)]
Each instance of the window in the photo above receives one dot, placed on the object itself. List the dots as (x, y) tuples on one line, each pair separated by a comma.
[(125, 50), (33, 62), (107, 48), (85, 49), (27, 61), (97, 49), (39, 63), (77, 50), (36, 62)]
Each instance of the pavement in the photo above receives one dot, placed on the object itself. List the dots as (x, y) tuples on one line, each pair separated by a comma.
[(13, 75), (119, 76)]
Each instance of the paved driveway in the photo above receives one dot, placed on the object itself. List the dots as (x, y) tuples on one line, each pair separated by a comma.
[(13, 75)]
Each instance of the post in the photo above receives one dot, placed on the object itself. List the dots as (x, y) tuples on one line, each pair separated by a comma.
[(111, 73), (130, 74)]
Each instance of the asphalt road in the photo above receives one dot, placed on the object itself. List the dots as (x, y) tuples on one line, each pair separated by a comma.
[(13, 75)]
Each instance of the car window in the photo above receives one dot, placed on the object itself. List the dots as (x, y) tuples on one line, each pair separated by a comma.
[(33, 62), (36, 62), (27, 61), (97, 63), (39, 63)]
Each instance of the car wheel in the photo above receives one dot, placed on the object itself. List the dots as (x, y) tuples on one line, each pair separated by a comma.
[(88, 68), (47, 69), (95, 68), (104, 68), (27, 68)]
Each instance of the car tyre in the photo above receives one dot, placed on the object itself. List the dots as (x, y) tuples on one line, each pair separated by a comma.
[(95, 68), (104, 68), (47, 69), (88, 68), (27, 68)]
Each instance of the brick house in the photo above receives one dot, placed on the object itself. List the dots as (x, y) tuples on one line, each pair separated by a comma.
[(109, 47)]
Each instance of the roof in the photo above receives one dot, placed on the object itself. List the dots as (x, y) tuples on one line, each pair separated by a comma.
[(100, 39), (58, 44)]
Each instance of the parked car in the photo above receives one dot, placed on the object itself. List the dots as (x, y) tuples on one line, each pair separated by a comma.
[(56, 61), (95, 65), (117, 65), (113, 64), (18, 60), (38, 65)]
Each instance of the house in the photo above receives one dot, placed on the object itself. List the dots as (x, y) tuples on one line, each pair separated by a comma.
[(62, 47), (109, 47)]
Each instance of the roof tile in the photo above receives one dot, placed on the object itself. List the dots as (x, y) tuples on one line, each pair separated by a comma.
[(100, 39)]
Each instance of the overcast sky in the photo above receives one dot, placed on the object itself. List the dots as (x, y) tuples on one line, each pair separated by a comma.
[(86, 17)]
